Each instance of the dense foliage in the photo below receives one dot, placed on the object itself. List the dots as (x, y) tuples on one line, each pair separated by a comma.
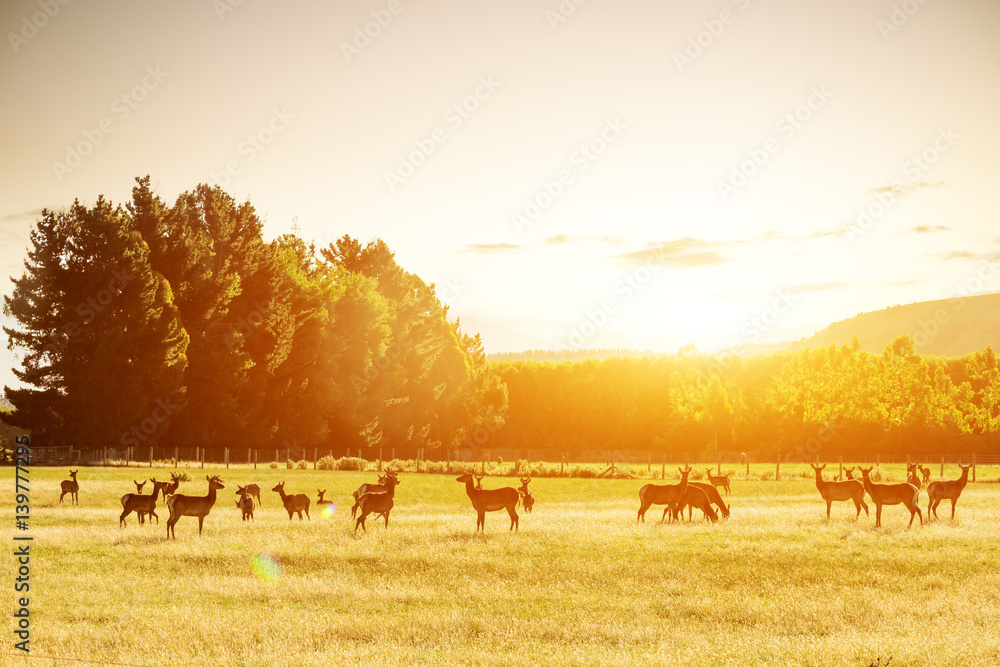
[(152, 324), (834, 400)]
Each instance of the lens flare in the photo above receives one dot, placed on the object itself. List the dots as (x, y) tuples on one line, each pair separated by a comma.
[(266, 568), (328, 511)]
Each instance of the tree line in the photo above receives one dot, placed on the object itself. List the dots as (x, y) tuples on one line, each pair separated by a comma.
[(153, 324), (827, 401)]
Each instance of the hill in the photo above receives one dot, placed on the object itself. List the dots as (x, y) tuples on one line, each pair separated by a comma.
[(946, 327)]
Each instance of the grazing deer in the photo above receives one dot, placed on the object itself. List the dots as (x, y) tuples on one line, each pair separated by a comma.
[(849, 489), (850, 472), (941, 489), (245, 501), (713, 497), (526, 497), (139, 485), (72, 487), (891, 494), (694, 497), (491, 500), (175, 481), (297, 503), (365, 488), (377, 502), (140, 504), (661, 494), (719, 481), (199, 506), (926, 473)]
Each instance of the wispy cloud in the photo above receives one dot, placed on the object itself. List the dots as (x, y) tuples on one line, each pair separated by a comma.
[(967, 255), (492, 247), (687, 252), (900, 190), (925, 229), (563, 239)]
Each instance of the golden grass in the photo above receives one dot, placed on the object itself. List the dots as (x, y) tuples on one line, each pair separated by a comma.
[(580, 583)]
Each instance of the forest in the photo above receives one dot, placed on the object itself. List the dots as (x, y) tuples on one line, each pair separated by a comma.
[(159, 324)]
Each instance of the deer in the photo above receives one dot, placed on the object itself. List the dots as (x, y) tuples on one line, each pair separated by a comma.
[(365, 488), (199, 506), (72, 487), (912, 476), (491, 500), (941, 489), (175, 481), (297, 503), (140, 504), (850, 472), (254, 490), (718, 481), (139, 485), (479, 480), (245, 502), (377, 502), (713, 497), (526, 497), (693, 497), (661, 494), (849, 489), (322, 502), (926, 472), (891, 494)]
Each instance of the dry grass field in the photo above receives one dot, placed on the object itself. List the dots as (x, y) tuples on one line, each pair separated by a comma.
[(580, 584)]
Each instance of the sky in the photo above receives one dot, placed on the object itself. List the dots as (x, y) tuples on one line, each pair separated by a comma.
[(569, 174)]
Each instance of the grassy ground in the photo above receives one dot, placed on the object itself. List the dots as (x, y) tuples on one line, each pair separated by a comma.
[(581, 583)]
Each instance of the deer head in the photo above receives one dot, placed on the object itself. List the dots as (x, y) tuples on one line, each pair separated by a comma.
[(214, 483)]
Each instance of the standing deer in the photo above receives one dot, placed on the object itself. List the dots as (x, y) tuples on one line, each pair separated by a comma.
[(139, 485), (849, 489), (694, 497), (491, 500), (365, 488), (245, 501), (254, 490), (199, 506), (912, 476), (479, 480), (526, 497), (72, 487), (140, 504), (661, 494), (719, 481), (926, 472), (891, 494), (297, 503), (941, 489), (713, 497), (175, 481), (377, 502), (850, 472)]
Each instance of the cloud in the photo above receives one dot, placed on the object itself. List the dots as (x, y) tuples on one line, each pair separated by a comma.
[(823, 287), (899, 190), (924, 229), (563, 239), (966, 255), (686, 252), (492, 247)]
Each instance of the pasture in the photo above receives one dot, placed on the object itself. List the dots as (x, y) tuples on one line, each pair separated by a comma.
[(580, 583)]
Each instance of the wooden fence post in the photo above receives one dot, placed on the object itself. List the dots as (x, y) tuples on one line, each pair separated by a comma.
[(973, 466), (942, 466), (840, 475), (777, 469), (663, 467), (227, 457), (315, 457), (151, 458), (255, 459)]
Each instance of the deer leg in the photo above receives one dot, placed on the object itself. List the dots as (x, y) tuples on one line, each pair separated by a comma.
[(201, 520), (514, 520), (829, 503), (387, 519), (878, 515), (307, 514), (953, 501), (157, 516), (642, 512)]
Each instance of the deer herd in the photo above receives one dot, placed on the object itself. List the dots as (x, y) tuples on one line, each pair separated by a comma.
[(378, 498)]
